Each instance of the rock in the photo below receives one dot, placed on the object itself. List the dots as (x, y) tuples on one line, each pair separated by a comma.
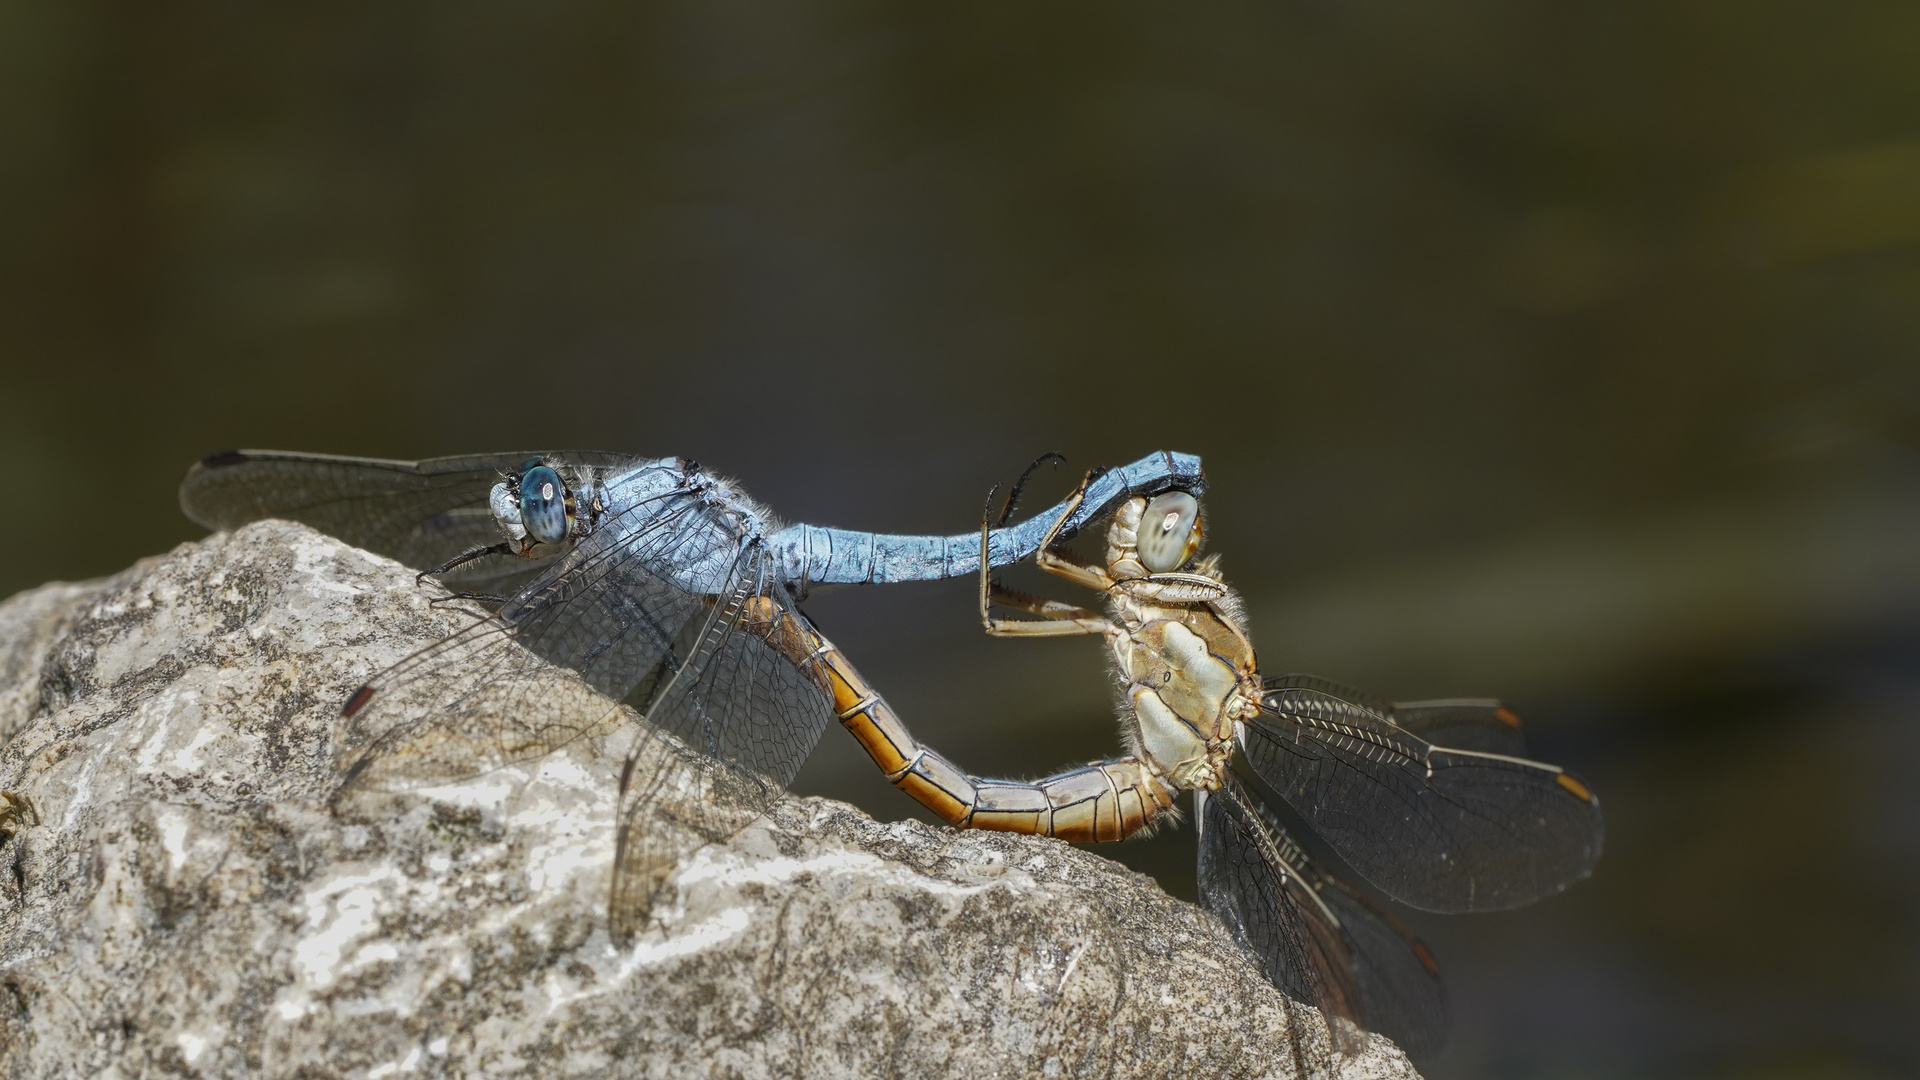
[(179, 898), (30, 624)]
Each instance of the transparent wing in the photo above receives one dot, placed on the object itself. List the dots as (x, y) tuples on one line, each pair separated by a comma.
[(421, 513), (665, 606), (1251, 877), (1441, 828), (1482, 724), (471, 703), (727, 730), (612, 611), (1267, 889), (1400, 983)]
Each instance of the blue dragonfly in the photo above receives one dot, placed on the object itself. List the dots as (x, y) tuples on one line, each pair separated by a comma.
[(655, 581)]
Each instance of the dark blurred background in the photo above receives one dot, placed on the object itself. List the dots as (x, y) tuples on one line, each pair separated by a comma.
[(1562, 352)]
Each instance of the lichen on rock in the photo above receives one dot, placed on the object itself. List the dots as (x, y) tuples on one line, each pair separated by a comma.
[(178, 894)]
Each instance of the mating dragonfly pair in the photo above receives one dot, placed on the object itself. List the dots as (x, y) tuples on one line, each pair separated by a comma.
[(666, 587)]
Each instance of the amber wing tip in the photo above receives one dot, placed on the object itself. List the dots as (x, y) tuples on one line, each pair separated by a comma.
[(1580, 790), (358, 701)]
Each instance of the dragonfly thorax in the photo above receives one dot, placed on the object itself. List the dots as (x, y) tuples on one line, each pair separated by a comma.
[(1186, 667), (1188, 673)]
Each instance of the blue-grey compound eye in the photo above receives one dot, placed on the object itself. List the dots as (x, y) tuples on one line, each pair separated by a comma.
[(543, 505), (1169, 532)]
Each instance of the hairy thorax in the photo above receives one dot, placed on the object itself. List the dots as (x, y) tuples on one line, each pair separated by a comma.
[(1189, 673)]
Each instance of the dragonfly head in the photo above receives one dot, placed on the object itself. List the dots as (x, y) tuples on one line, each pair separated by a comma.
[(1154, 536), (535, 505), (545, 504)]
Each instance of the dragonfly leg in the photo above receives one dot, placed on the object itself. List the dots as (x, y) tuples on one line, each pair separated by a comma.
[(1062, 563), (1060, 619), (1108, 800), (1020, 485), (483, 597), (1057, 619), (1070, 566), (502, 548)]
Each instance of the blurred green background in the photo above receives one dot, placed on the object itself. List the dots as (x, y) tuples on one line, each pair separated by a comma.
[(1562, 352)]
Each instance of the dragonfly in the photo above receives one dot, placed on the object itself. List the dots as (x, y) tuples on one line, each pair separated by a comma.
[(657, 582), (1436, 804), (648, 581)]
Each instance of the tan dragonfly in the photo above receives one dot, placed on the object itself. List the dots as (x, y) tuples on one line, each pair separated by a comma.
[(1434, 803)]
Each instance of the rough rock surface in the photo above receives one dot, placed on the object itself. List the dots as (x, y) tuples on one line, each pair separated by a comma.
[(177, 897)]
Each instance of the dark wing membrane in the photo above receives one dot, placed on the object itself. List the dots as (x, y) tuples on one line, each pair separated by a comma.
[(1328, 686), (1399, 980), (421, 513), (1393, 973), (1439, 828), (1481, 724), (1251, 878), (612, 610), (728, 729)]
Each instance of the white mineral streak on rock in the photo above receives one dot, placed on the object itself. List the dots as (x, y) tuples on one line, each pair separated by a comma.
[(173, 837), (190, 903)]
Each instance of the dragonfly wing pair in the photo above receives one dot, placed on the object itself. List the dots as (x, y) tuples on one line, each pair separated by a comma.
[(675, 606), (674, 603), (1319, 941), (420, 513), (1472, 826), (734, 715)]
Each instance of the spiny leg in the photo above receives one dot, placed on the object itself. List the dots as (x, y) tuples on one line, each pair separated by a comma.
[(464, 557), (483, 597), (1060, 619), (1013, 497), (1063, 620), (1070, 566), (502, 548), (1062, 563), (1040, 605)]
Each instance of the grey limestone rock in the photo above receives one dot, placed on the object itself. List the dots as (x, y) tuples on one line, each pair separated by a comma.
[(179, 897)]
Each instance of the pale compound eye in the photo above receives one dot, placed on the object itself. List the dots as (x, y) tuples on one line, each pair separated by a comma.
[(543, 507), (1169, 532)]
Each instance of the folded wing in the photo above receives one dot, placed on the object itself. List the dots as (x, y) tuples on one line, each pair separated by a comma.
[(421, 513), (729, 723), (1320, 941), (1251, 877)]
